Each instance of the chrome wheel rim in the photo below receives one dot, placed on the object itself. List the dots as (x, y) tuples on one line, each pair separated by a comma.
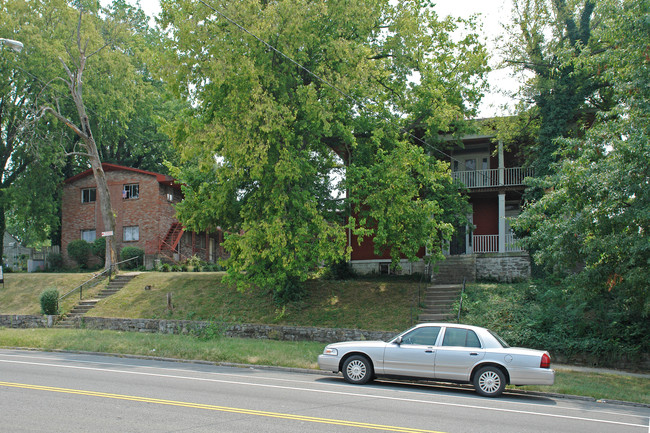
[(489, 382), (356, 370)]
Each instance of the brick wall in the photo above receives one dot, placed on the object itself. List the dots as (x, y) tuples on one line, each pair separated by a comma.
[(151, 211)]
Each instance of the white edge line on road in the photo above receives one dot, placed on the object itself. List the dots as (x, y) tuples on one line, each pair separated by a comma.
[(522, 412)]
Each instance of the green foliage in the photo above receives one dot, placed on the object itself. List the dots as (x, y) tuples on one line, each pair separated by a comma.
[(130, 253), (560, 318), (49, 300), (592, 225), (166, 267), (99, 247), (266, 146), (552, 40), (55, 261), (79, 250)]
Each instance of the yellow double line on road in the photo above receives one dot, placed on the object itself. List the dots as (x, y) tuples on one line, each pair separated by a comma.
[(218, 408)]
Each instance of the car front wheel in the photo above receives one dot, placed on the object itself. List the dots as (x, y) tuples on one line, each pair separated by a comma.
[(357, 369), (489, 381)]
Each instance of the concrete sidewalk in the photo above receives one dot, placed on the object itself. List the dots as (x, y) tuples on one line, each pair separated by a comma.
[(599, 370)]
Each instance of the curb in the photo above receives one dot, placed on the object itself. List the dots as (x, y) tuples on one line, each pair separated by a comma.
[(319, 372)]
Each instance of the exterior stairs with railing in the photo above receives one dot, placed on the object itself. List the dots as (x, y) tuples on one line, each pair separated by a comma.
[(455, 270), (438, 300), (169, 245), (79, 310)]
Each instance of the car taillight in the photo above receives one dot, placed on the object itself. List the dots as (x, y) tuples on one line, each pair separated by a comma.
[(546, 361)]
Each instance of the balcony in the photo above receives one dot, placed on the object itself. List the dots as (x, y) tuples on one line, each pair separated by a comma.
[(472, 179)]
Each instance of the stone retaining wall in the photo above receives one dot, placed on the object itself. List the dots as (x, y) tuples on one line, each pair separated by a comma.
[(266, 332), (23, 321), (504, 267)]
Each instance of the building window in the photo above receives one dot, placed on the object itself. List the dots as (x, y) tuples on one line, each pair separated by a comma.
[(131, 234), (88, 235), (88, 195), (131, 191)]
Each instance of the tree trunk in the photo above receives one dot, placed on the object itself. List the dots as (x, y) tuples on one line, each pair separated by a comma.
[(75, 85)]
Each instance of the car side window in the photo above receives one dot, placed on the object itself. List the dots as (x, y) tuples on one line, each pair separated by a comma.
[(426, 336), (461, 338)]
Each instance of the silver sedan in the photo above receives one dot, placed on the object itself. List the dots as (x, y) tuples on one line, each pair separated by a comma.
[(444, 352)]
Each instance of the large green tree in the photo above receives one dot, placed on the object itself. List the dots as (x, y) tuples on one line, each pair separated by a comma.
[(592, 226), (122, 101), (322, 88), (550, 41)]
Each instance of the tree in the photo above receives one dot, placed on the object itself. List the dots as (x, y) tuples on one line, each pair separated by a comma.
[(592, 225), (122, 102), (550, 41), (23, 201), (74, 83), (337, 87)]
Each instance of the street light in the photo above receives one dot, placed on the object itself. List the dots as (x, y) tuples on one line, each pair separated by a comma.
[(14, 45)]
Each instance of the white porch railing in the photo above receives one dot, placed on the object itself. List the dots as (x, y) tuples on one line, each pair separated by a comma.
[(490, 178), (490, 244)]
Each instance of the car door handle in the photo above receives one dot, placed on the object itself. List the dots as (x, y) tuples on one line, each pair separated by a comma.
[(429, 350), (473, 354)]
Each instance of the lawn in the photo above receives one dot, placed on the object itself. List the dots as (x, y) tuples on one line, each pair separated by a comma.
[(374, 304)]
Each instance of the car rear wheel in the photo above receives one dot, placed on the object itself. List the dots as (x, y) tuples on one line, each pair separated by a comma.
[(357, 369), (489, 381)]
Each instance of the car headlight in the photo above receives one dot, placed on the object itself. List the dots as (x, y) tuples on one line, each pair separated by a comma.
[(330, 351)]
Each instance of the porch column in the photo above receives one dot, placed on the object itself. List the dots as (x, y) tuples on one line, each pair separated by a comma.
[(502, 222), (501, 164)]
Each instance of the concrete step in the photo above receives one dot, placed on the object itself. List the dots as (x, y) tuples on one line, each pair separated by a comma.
[(427, 317)]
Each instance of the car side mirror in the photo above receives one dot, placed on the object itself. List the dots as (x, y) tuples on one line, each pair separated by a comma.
[(398, 341)]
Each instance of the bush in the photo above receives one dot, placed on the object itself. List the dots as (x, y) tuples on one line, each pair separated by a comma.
[(55, 261), (79, 251), (49, 301), (165, 267), (129, 253), (99, 247)]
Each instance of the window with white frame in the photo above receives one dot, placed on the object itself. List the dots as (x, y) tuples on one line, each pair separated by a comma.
[(88, 235), (88, 195), (131, 191), (131, 233)]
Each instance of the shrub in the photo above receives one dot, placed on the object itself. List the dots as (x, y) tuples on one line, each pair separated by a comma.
[(129, 253), (55, 261), (99, 247), (165, 267), (79, 251), (49, 301)]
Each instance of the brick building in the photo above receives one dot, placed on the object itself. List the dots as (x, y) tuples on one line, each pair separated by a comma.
[(494, 180), (143, 203)]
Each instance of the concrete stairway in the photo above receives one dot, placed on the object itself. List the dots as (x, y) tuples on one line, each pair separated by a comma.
[(84, 306), (438, 300), (115, 285), (454, 269)]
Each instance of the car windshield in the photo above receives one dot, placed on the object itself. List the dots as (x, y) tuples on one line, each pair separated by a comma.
[(501, 341)]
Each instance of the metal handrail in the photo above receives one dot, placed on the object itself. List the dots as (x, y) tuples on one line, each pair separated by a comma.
[(105, 273), (460, 303)]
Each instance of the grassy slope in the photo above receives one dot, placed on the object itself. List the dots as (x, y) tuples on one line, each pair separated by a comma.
[(202, 296), (21, 292)]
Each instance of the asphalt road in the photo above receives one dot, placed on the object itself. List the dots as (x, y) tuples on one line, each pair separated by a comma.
[(63, 392)]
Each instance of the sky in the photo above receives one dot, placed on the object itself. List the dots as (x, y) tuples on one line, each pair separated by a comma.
[(492, 12)]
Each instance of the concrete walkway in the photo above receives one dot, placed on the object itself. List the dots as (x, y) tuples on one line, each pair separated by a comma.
[(599, 370)]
